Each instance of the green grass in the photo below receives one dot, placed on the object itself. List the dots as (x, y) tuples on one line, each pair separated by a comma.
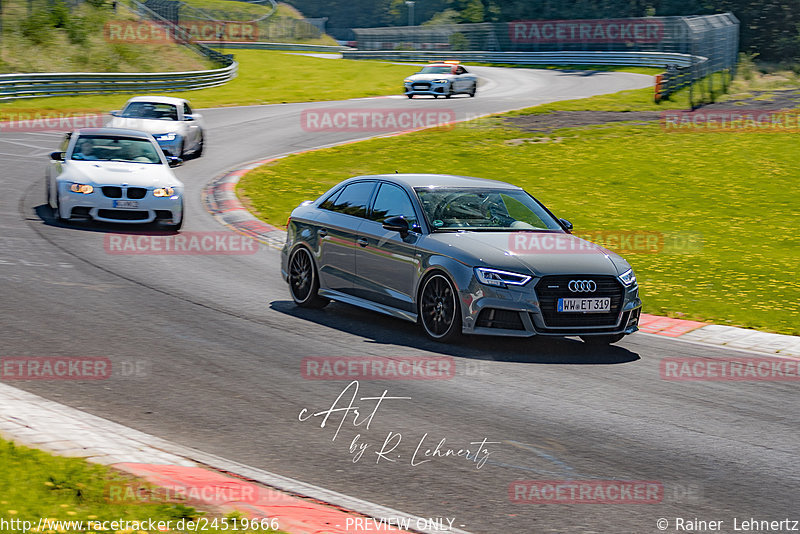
[(736, 193), (34, 485), (265, 77)]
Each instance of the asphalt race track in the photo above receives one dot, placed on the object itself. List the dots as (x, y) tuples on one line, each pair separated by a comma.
[(219, 344)]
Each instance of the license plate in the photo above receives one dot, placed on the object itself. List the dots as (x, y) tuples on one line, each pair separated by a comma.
[(595, 305), (126, 204)]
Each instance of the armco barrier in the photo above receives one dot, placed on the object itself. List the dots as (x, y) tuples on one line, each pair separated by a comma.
[(641, 59), (273, 46), (13, 86)]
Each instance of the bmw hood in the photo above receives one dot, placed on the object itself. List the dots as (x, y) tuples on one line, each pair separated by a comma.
[(535, 253), (118, 173), (429, 77), (151, 126)]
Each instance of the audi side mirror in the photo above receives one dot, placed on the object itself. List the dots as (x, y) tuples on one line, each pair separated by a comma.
[(566, 224), (174, 162), (114, 113), (396, 224), (57, 156)]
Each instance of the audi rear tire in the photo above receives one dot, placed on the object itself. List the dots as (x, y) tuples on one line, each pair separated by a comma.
[(303, 280)]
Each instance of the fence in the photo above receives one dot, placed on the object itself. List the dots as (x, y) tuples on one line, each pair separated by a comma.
[(710, 43)]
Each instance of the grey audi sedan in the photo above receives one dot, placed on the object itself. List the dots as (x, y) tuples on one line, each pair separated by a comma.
[(457, 255)]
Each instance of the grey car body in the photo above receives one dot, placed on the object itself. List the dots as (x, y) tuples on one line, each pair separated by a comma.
[(385, 253)]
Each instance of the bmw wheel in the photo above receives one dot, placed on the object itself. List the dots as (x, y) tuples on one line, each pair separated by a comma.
[(303, 281), (474, 89), (597, 341), (199, 150), (439, 310), (57, 209)]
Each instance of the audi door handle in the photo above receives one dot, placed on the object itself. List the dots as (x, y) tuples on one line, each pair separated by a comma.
[(363, 242)]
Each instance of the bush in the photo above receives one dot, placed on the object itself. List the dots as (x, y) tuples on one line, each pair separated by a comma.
[(458, 41)]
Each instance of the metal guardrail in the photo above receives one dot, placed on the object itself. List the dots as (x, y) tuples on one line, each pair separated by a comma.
[(273, 46), (14, 86), (586, 57)]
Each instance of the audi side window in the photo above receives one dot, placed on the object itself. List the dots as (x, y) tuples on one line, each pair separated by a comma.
[(187, 110), (353, 199), (392, 201), (329, 202)]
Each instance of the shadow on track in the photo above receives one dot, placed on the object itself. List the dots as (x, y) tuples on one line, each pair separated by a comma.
[(45, 213), (384, 330)]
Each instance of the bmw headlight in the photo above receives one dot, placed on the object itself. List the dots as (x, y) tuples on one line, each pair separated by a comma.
[(166, 137), (628, 278), (164, 192), (84, 189), (493, 277)]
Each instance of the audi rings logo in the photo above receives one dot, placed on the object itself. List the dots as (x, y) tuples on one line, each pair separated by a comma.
[(582, 286)]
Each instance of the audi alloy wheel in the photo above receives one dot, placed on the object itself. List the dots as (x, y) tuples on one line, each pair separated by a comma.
[(439, 311)]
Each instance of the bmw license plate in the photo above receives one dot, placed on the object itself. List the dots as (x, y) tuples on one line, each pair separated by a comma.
[(126, 204), (595, 305)]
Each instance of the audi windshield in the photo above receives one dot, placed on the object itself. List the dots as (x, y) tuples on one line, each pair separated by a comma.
[(448, 209)]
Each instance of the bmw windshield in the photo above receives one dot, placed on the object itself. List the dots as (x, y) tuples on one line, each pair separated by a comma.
[(449, 209)]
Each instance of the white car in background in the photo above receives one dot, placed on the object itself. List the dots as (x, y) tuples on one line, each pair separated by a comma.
[(176, 128), (441, 78), (114, 175)]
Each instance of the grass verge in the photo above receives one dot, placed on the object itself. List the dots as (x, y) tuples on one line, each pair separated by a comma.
[(36, 485), (733, 194), (265, 77)]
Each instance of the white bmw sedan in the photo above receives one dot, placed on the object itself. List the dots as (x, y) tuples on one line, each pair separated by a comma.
[(175, 126), (114, 175)]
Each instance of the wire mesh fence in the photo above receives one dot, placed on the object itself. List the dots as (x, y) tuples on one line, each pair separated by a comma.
[(711, 40)]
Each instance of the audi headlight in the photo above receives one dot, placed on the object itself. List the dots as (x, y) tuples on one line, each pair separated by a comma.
[(84, 189), (628, 277), (166, 137), (408, 80), (493, 277), (164, 192), (440, 81)]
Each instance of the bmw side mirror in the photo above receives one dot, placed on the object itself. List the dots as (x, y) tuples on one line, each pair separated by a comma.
[(57, 156), (566, 224), (174, 162), (396, 224)]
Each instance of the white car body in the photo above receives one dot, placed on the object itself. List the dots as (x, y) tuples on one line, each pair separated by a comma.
[(176, 128), (135, 187), (441, 79)]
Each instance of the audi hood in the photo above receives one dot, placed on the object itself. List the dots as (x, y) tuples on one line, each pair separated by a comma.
[(430, 77), (535, 253)]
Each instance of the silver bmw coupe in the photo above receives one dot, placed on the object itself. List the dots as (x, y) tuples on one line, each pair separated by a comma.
[(458, 255)]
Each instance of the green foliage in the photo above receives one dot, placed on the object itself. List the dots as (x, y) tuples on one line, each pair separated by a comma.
[(458, 41)]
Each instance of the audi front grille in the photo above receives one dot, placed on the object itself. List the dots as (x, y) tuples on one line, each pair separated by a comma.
[(550, 288)]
